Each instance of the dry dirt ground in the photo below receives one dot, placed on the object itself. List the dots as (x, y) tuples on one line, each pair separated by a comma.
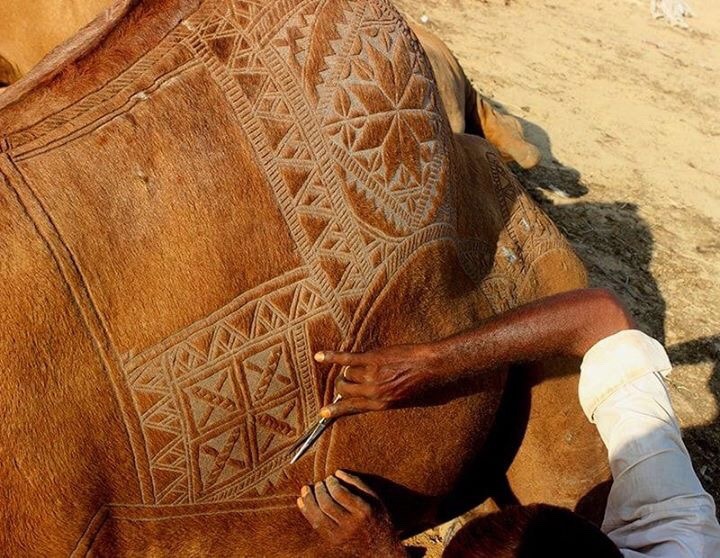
[(626, 110)]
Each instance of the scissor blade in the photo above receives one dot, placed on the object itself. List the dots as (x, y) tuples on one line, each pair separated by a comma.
[(310, 440), (301, 440)]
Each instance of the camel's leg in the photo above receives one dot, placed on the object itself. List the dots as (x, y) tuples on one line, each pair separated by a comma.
[(561, 459), (468, 111), (554, 454), (541, 447), (449, 77), (502, 130)]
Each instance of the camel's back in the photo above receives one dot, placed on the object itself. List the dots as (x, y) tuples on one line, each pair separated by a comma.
[(198, 202)]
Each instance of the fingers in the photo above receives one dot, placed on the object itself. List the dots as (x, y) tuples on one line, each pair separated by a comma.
[(348, 389), (311, 510), (327, 504), (349, 375), (356, 482), (358, 393), (352, 503), (350, 406), (344, 359), (353, 374)]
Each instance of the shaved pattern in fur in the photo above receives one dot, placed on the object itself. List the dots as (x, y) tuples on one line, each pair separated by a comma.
[(196, 197)]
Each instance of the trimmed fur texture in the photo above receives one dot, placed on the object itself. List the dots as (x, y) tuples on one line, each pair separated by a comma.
[(195, 197)]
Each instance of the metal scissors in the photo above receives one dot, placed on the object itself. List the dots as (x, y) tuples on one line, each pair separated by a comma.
[(311, 436)]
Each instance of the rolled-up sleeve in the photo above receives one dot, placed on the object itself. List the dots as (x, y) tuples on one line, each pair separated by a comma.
[(657, 506)]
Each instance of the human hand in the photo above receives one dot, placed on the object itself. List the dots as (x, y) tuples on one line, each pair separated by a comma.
[(384, 378), (348, 514)]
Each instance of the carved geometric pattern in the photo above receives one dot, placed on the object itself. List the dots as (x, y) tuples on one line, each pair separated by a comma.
[(267, 374), (347, 128), (385, 115), (346, 125), (530, 231), (221, 407), (528, 235), (263, 75)]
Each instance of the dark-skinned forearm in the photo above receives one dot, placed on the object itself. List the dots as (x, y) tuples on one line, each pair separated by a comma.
[(567, 324)]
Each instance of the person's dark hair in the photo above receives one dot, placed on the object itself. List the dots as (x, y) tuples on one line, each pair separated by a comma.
[(535, 531)]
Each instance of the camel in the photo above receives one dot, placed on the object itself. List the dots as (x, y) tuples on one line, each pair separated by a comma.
[(198, 195), (27, 35)]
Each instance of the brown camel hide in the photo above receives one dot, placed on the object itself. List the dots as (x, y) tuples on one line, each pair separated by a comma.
[(27, 33), (196, 196)]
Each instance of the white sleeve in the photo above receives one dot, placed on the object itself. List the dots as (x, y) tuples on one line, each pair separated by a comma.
[(657, 506)]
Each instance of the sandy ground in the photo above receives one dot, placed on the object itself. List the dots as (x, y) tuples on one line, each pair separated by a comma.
[(626, 110)]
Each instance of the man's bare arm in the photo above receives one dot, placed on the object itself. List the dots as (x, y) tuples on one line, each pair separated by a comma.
[(565, 324)]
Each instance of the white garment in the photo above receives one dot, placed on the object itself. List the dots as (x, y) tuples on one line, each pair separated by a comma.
[(657, 506)]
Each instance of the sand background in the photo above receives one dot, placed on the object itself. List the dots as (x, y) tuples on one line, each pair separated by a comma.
[(626, 111)]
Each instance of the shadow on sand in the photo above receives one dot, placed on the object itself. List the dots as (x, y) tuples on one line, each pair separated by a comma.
[(617, 244), (703, 442)]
